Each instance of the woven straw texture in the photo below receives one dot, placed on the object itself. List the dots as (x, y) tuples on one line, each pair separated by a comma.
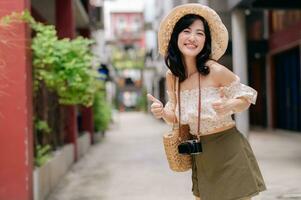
[(171, 141)]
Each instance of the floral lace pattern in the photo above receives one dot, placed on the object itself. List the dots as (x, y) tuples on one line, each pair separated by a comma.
[(210, 120)]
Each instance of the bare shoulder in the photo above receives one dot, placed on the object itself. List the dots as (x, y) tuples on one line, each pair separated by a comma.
[(169, 76), (168, 73), (222, 74)]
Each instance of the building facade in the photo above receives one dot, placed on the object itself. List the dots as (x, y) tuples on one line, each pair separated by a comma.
[(273, 33)]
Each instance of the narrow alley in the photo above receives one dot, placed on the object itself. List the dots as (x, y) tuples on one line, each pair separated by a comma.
[(130, 164)]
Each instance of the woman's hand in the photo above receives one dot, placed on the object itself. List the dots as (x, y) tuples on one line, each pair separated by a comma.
[(156, 107), (229, 106), (224, 105)]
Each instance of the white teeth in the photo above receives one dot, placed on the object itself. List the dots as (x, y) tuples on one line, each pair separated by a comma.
[(190, 45)]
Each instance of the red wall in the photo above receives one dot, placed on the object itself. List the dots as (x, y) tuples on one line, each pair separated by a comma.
[(16, 153), (285, 37)]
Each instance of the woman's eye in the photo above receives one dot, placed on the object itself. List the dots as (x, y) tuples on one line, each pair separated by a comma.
[(186, 31), (200, 33)]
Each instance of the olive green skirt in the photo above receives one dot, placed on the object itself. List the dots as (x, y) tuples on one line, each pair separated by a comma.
[(226, 169)]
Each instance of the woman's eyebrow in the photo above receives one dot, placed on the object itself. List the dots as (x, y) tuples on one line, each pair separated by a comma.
[(200, 30), (196, 29)]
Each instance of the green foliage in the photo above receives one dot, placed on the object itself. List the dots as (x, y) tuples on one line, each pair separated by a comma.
[(142, 100), (43, 154), (102, 112), (41, 126), (64, 65), (130, 59)]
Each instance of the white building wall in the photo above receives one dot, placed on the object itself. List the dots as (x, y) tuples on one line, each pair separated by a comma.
[(99, 47), (239, 55), (119, 6), (149, 17)]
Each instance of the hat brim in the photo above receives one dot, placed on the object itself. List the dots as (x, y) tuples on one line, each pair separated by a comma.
[(218, 31)]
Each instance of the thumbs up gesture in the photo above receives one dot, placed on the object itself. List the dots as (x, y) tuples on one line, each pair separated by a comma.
[(156, 107), (223, 105)]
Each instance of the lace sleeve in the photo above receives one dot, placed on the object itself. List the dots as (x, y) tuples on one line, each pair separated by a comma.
[(171, 94), (170, 105), (237, 89)]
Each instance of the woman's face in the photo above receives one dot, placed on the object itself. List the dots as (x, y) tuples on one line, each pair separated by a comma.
[(191, 40)]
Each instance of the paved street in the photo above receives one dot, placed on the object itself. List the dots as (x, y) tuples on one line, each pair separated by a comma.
[(279, 156), (129, 164)]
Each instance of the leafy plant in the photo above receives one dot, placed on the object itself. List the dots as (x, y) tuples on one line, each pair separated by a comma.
[(43, 154), (64, 65), (42, 126), (128, 59), (102, 112), (142, 100)]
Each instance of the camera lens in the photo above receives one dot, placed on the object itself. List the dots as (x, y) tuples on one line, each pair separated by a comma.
[(184, 148), (197, 147), (190, 147)]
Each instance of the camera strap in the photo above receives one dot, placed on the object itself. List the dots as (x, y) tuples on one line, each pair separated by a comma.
[(199, 108), (179, 103)]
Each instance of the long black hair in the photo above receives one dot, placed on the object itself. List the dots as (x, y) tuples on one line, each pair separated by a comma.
[(173, 59)]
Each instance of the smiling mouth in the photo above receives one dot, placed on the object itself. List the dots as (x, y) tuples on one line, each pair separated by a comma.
[(190, 46)]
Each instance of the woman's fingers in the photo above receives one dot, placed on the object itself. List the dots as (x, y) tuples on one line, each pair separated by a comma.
[(217, 105), (222, 92), (158, 113), (156, 107), (153, 99), (157, 110)]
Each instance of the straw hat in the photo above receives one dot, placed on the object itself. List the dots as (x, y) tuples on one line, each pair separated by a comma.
[(218, 31)]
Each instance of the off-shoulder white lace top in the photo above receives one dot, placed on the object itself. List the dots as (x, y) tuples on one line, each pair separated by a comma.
[(209, 119)]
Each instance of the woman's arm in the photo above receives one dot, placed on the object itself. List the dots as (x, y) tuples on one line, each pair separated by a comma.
[(239, 104), (169, 116), (226, 78), (167, 112), (169, 109)]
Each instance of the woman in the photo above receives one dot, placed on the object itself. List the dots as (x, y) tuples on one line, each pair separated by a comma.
[(191, 38)]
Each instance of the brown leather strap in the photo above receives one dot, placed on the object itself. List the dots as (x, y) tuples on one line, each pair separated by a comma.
[(175, 92), (179, 107), (199, 107)]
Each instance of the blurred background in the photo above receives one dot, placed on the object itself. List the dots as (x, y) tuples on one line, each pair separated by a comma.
[(74, 75)]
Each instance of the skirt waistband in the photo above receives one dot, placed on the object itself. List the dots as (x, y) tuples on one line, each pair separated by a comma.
[(216, 135)]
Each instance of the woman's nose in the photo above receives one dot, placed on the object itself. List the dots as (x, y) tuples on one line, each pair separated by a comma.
[(191, 37)]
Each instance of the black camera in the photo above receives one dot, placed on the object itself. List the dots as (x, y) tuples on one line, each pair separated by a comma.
[(190, 147)]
